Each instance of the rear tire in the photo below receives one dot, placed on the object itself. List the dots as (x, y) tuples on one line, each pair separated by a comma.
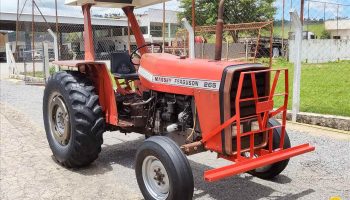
[(73, 119), (270, 171), (163, 171)]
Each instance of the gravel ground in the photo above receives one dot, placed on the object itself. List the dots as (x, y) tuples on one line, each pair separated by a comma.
[(29, 172)]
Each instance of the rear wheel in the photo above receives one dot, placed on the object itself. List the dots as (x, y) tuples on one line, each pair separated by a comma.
[(163, 171), (270, 171), (73, 119)]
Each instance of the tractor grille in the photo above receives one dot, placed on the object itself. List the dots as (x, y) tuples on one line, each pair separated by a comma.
[(248, 113), (248, 108)]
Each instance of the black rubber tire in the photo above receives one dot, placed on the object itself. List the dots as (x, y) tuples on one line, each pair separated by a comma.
[(175, 163), (87, 123), (278, 167)]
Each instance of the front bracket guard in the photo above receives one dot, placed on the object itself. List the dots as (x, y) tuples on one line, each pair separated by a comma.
[(250, 164), (264, 111)]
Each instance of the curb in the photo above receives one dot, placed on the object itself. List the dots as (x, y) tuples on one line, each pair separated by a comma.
[(330, 121), (30, 80)]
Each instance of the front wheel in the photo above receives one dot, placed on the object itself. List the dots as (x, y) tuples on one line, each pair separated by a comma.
[(163, 171), (270, 171)]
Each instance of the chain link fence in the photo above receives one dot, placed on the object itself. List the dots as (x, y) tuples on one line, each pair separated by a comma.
[(247, 37), (325, 65), (27, 41), (326, 24), (111, 32), (112, 35)]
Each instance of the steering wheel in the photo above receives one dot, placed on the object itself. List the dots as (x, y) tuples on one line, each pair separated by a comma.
[(134, 53)]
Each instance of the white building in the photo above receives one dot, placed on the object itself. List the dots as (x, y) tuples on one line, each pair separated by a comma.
[(110, 34), (151, 24), (339, 29)]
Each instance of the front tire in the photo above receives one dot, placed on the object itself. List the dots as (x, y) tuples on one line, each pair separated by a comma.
[(270, 171), (163, 171), (73, 119)]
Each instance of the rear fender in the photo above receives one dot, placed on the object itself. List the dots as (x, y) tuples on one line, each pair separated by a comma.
[(97, 72)]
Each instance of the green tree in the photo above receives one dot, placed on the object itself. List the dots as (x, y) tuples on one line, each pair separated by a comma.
[(325, 35), (236, 11)]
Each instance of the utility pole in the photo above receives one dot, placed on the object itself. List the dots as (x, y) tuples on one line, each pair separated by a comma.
[(338, 20), (283, 28), (33, 38), (163, 25), (57, 29), (129, 37), (298, 30), (324, 12), (302, 11), (290, 17), (194, 15), (308, 19), (17, 27)]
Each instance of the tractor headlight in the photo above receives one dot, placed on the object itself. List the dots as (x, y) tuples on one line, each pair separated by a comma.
[(254, 126), (234, 130)]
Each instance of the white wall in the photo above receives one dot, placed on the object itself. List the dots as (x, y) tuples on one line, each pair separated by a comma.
[(156, 15), (318, 51), (344, 34)]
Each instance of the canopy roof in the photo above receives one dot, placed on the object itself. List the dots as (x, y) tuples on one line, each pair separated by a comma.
[(115, 3)]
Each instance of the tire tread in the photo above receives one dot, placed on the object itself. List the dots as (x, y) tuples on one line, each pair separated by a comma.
[(86, 117)]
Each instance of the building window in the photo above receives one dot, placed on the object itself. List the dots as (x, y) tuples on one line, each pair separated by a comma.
[(144, 29), (102, 33), (156, 29), (117, 31)]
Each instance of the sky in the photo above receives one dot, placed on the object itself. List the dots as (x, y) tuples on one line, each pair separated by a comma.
[(47, 7), (312, 9)]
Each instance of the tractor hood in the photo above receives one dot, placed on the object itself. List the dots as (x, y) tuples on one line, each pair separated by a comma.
[(163, 64), (169, 73)]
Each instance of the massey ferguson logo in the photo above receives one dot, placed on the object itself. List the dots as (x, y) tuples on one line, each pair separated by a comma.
[(162, 79), (186, 82), (210, 85), (182, 82)]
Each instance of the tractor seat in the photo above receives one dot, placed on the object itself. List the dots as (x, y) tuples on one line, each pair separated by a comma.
[(122, 68)]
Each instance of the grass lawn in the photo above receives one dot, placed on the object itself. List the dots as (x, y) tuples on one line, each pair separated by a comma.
[(325, 88), (39, 74), (316, 28)]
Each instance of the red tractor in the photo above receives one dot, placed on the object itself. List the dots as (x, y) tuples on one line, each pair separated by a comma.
[(182, 105)]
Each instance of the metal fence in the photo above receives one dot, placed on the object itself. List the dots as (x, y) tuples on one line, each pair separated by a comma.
[(111, 31), (319, 85), (326, 36), (326, 24)]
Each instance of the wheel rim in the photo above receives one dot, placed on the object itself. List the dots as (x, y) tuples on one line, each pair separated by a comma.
[(155, 177), (260, 169), (59, 120)]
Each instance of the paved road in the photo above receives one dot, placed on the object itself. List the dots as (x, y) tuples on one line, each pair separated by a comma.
[(27, 170)]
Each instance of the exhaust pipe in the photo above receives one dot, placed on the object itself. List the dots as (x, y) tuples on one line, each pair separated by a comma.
[(219, 30)]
